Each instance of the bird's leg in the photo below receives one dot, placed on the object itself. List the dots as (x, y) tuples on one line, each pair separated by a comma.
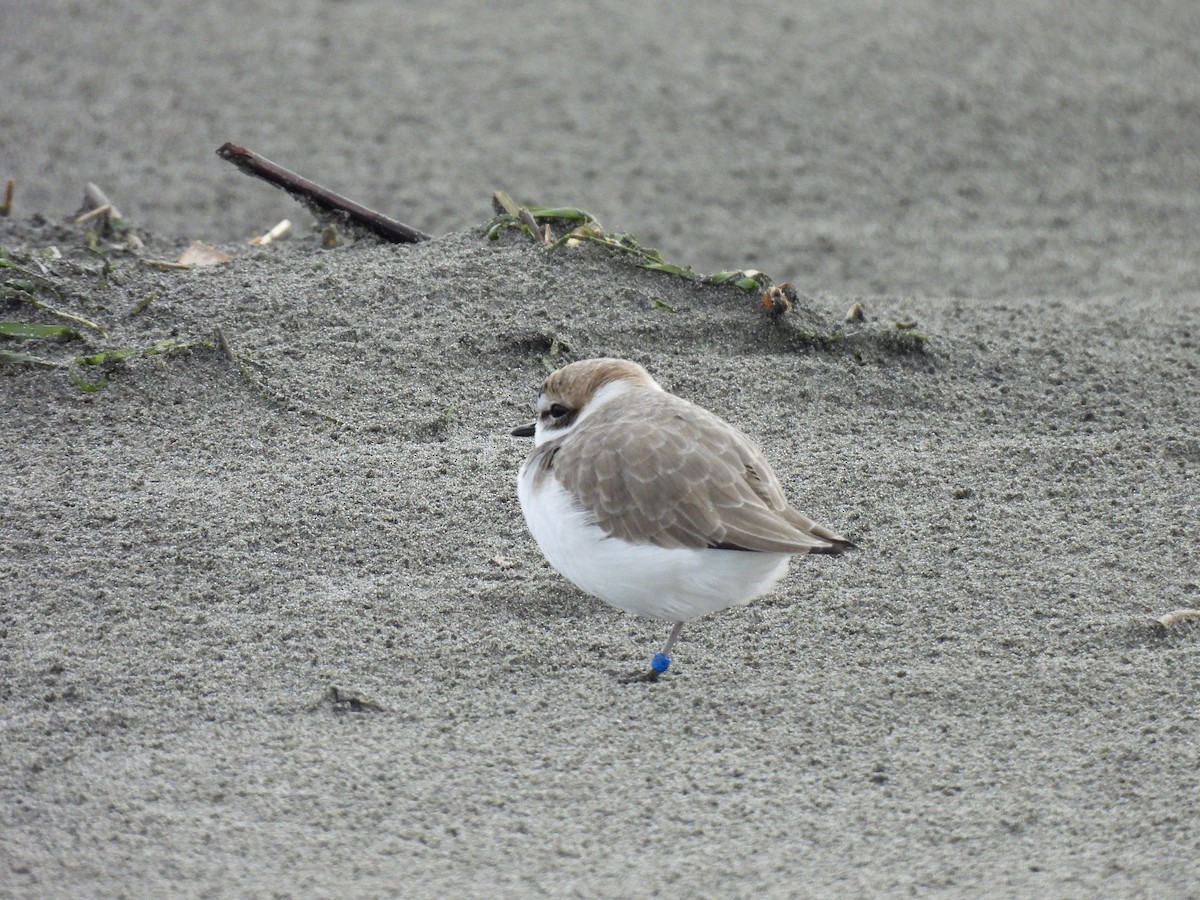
[(662, 659), (665, 654)]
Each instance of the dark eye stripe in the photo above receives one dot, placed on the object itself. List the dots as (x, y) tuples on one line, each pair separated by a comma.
[(559, 415)]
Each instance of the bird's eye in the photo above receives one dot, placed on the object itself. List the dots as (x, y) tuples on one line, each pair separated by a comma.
[(556, 411)]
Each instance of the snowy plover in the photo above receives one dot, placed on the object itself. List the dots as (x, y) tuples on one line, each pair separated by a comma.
[(653, 504)]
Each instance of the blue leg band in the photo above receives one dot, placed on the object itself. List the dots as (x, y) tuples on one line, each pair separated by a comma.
[(660, 663)]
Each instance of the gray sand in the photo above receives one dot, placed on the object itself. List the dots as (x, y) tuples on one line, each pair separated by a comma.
[(975, 702)]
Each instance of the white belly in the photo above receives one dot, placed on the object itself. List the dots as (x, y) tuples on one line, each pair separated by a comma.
[(675, 584)]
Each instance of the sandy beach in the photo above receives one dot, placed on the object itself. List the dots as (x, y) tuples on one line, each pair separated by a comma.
[(271, 623)]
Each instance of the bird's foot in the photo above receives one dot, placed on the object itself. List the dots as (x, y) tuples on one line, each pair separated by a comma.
[(652, 675), (658, 665)]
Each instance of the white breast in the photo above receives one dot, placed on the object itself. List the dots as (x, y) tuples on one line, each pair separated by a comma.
[(675, 584)]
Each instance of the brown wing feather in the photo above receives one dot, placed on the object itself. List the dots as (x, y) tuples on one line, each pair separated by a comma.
[(698, 483)]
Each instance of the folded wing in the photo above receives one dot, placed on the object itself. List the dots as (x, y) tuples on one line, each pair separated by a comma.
[(660, 470)]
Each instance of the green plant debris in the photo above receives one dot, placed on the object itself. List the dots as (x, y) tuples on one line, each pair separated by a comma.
[(30, 283), (906, 336), (99, 366), (529, 219), (63, 314), (747, 280), (13, 288), (659, 304), (37, 331), (623, 243), (144, 302), (105, 357), (29, 278), (11, 358), (88, 387), (536, 220), (855, 335), (27, 284)]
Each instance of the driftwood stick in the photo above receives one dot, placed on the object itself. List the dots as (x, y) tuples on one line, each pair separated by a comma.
[(322, 201)]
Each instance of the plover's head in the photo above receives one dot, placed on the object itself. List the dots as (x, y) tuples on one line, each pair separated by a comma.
[(569, 394)]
